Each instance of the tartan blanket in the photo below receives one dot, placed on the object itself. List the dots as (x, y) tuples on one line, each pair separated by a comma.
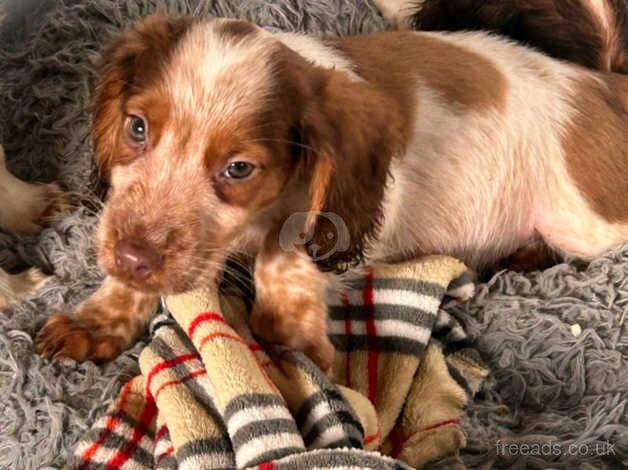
[(210, 396)]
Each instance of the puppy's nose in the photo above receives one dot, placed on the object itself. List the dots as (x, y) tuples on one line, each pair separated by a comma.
[(136, 259)]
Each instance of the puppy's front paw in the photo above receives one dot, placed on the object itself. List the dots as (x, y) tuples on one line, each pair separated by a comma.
[(304, 331), (65, 336)]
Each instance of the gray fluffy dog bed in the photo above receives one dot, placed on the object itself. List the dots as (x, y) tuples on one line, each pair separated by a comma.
[(560, 399)]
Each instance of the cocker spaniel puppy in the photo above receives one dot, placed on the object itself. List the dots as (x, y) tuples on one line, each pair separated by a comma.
[(218, 137)]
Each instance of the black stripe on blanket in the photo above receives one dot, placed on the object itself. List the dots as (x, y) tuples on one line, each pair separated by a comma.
[(461, 281), (383, 344), (263, 425), (336, 413), (217, 449), (340, 458), (261, 428), (250, 401), (411, 285), (167, 462), (340, 418), (405, 313)]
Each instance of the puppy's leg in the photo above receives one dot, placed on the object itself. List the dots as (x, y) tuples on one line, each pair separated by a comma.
[(290, 306), (535, 256), (26, 207), (103, 326), (15, 286)]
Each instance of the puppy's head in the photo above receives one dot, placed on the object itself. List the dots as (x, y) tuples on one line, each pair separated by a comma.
[(211, 131)]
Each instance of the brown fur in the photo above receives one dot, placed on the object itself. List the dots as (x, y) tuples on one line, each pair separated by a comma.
[(352, 130), (565, 29), (129, 64), (391, 61), (596, 145)]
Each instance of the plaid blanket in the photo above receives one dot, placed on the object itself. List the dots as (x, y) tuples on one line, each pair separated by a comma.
[(210, 396)]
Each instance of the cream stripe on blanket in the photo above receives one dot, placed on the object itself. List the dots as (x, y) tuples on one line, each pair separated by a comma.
[(210, 397)]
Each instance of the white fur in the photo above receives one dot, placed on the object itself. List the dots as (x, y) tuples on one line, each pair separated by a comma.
[(317, 53), (215, 77)]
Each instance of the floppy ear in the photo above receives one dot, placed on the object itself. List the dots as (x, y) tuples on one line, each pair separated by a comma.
[(351, 132), (130, 62)]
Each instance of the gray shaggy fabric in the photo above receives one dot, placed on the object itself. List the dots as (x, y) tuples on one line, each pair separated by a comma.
[(547, 387)]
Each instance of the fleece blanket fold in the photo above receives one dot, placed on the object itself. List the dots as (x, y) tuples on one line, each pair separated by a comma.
[(210, 396)]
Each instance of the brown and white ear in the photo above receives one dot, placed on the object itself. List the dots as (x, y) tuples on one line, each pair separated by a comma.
[(129, 62), (351, 132)]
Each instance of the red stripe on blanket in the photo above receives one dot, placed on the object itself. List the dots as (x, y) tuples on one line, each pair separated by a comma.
[(203, 318), (124, 454), (196, 373), (398, 441), (266, 466), (347, 305), (219, 335), (368, 297), (161, 433), (166, 453), (110, 426), (167, 364), (438, 425), (374, 437), (371, 438)]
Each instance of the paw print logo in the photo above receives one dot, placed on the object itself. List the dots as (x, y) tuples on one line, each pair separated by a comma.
[(335, 233)]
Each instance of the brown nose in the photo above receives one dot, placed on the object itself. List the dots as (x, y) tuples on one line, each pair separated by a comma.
[(136, 259)]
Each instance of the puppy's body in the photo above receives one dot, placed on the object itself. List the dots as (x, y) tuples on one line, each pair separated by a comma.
[(461, 144), (499, 150)]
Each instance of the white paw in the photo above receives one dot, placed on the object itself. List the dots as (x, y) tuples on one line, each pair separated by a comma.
[(26, 207)]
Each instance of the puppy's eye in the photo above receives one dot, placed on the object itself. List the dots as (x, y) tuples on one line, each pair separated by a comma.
[(136, 130), (239, 170)]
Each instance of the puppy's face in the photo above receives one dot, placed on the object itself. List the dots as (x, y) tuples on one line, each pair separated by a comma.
[(199, 127), (193, 146)]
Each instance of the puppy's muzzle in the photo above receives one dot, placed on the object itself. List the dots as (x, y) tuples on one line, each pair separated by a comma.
[(137, 259)]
